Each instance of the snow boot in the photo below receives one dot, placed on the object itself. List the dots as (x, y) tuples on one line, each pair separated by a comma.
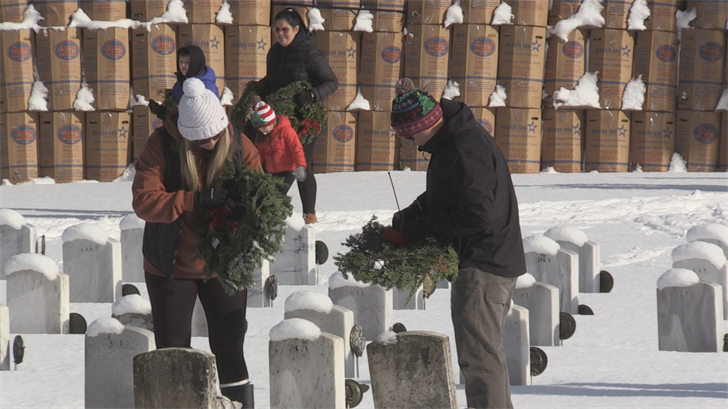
[(240, 393), (310, 218)]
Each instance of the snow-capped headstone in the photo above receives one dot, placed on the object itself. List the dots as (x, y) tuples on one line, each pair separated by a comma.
[(175, 378), (259, 295), (296, 263), (371, 304), (306, 366), (132, 259), (689, 313), (571, 238), (199, 320), (37, 295), (713, 233), (551, 264), (542, 302), (133, 310), (16, 237), (400, 299), (412, 369), (110, 348), (4, 338), (707, 261), (92, 260), (516, 344)]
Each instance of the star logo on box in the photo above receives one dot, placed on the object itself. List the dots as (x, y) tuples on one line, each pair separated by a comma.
[(626, 51), (667, 133), (122, 132), (532, 127), (577, 129), (261, 44), (214, 42), (622, 130), (350, 52), (536, 46)]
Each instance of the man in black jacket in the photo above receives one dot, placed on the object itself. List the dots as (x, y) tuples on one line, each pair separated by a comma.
[(470, 199)]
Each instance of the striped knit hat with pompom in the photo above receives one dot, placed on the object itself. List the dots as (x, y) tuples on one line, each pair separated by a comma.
[(413, 110), (263, 115)]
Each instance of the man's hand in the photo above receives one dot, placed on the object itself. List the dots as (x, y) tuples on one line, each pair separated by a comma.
[(406, 215)]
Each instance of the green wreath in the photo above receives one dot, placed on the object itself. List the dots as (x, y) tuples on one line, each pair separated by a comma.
[(372, 259), (234, 244), (307, 121)]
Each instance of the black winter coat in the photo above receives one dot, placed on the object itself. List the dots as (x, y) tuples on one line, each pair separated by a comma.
[(300, 61), (470, 196)]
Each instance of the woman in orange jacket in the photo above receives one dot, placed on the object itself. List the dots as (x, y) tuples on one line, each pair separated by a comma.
[(278, 144)]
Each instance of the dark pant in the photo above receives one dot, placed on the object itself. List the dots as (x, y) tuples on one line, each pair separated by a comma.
[(288, 179), (172, 304), (307, 188), (479, 303)]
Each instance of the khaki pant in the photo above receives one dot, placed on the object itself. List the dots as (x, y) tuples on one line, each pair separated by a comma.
[(479, 305)]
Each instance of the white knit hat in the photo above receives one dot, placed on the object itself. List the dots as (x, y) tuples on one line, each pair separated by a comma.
[(201, 114)]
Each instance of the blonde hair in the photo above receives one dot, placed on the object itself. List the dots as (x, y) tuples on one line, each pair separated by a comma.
[(189, 163)]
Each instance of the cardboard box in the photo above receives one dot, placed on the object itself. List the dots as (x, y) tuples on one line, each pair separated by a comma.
[(250, 12), (245, 56), (662, 14), (521, 59), (341, 51), (411, 158), (652, 141), (655, 58), (144, 123), (154, 60), (606, 144), (211, 39), (702, 64), (615, 13), (389, 15), (106, 67), (474, 62), (565, 62), (530, 13), (723, 144), (427, 11), (202, 11), (62, 146), (697, 138), (486, 118), (561, 146), (107, 10), (145, 10), (339, 14), (108, 145), (610, 54), (11, 11), (426, 57), (336, 151), (711, 13), (380, 68), (376, 144), (58, 59), (16, 70), (478, 11), (19, 146), (561, 10), (55, 12), (519, 138)]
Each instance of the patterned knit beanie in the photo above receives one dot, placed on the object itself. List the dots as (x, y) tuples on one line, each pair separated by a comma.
[(413, 110), (201, 114), (263, 115)]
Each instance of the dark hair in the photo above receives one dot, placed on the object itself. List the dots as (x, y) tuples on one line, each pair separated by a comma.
[(183, 52), (292, 17)]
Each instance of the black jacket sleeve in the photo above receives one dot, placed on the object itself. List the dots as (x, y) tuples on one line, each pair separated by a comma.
[(320, 74)]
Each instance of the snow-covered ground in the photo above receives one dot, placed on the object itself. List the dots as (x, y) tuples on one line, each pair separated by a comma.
[(611, 361)]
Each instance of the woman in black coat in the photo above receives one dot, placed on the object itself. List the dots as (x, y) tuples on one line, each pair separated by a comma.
[(296, 57)]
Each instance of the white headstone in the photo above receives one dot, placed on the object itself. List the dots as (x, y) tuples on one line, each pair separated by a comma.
[(412, 369), (37, 295), (707, 261), (400, 299), (689, 313), (133, 310), (371, 304), (551, 264), (714, 233), (110, 349), (516, 345), (306, 367), (132, 259), (542, 302), (573, 239), (199, 320), (296, 263), (4, 338), (335, 320), (92, 260), (258, 296), (16, 237)]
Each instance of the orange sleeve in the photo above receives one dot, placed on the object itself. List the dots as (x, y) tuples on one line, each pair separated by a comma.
[(150, 199)]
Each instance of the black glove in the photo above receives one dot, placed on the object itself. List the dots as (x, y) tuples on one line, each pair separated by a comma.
[(406, 215), (303, 98), (418, 229), (214, 196)]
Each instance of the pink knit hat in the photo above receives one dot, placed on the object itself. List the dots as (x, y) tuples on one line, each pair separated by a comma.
[(263, 115)]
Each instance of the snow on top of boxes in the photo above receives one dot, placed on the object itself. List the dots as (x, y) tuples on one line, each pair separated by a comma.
[(31, 261), (338, 280), (31, 17), (295, 328), (634, 94), (525, 281), (224, 16), (567, 233), (539, 243), (589, 14), (454, 15), (131, 221), (683, 18), (309, 300), (586, 93), (714, 231), (502, 14), (699, 250), (677, 277), (131, 304), (85, 231), (104, 326), (9, 217), (638, 13)]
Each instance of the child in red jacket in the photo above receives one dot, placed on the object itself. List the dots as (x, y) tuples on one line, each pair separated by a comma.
[(278, 145)]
